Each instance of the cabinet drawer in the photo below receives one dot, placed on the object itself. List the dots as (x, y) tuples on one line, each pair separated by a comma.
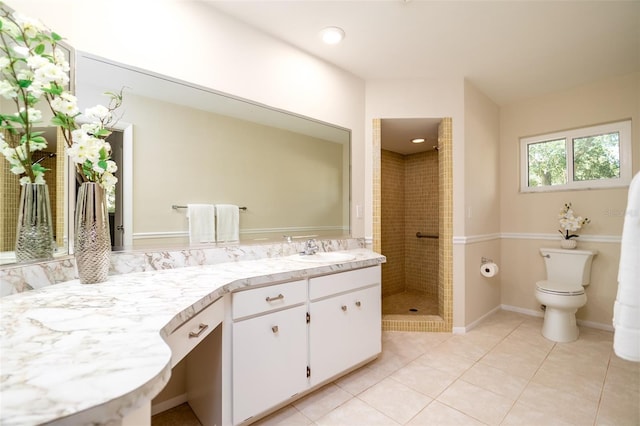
[(192, 332), (265, 299), (328, 285)]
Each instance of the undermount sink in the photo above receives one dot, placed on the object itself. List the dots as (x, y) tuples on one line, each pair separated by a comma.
[(323, 257)]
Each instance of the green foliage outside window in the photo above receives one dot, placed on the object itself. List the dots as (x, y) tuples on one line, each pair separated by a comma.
[(547, 163), (596, 157)]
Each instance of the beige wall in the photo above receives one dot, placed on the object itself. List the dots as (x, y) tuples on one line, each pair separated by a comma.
[(285, 179), (530, 220), (482, 205)]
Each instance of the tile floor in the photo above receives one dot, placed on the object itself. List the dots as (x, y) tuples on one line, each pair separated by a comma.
[(410, 302), (503, 372)]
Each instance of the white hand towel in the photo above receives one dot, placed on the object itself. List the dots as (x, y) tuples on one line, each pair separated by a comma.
[(201, 223), (227, 222), (626, 309)]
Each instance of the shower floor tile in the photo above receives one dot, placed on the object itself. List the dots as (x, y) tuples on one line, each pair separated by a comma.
[(410, 302)]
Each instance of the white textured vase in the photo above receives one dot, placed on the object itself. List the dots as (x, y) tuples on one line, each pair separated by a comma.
[(92, 239), (568, 244)]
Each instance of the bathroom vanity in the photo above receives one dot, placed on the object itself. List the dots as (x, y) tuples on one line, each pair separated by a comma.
[(256, 334)]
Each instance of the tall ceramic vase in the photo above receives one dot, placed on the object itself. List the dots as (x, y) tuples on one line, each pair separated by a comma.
[(34, 233), (92, 240)]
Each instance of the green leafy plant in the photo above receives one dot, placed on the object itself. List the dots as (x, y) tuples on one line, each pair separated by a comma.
[(34, 69)]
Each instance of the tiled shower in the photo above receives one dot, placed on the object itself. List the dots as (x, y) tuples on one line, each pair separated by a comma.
[(409, 231)]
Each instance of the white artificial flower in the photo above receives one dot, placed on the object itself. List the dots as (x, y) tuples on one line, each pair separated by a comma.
[(17, 169), (30, 26), (35, 115), (4, 62), (50, 72), (37, 61), (98, 112), (7, 90), (39, 177), (24, 179), (66, 104), (90, 128), (35, 89), (108, 181), (21, 51), (60, 59), (37, 146), (112, 166)]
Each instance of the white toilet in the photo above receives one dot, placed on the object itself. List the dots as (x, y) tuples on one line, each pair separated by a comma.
[(568, 272)]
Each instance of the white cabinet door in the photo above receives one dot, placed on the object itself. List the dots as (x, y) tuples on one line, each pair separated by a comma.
[(345, 330), (269, 361)]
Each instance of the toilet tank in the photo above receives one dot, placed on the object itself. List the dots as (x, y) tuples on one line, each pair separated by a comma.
[(570, 266)]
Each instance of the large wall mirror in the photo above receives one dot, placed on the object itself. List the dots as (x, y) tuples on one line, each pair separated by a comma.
[(179, 144)]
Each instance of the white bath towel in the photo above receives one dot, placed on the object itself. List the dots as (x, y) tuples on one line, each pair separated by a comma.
[(227, 222), (626, 310), (201, 223)]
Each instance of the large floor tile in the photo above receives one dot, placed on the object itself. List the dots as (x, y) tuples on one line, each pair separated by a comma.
[(566, 379), (355, 413), (360, 380), (442, 415), (287, 416), (562, 405), (524, 415), (474, 401), (446, 360), (395, 400), (322, 401), (495, 380), (424, 379)]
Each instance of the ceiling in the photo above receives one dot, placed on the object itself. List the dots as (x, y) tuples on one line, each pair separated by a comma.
[(510, 50)]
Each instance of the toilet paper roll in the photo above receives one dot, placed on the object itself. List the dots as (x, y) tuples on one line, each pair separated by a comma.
[(489, 269)]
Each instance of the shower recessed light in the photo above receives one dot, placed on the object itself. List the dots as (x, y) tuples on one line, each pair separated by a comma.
[(332, 35), (418, 140)]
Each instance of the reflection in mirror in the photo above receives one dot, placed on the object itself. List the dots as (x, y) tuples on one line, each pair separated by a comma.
[(52, 158), (191, 145)]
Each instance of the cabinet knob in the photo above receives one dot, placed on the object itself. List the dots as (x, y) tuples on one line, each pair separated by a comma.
[(274, 329), (344, 308), (358, 304)]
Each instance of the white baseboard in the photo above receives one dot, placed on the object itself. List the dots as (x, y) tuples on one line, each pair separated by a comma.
[(533, 313), (464, 330), (596, 325), (519, 310), (168, 404)]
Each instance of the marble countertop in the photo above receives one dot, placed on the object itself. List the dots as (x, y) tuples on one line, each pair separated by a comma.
[(77, 354)]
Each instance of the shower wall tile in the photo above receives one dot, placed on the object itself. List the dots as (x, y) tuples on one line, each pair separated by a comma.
[(393, 222), (421, 215)]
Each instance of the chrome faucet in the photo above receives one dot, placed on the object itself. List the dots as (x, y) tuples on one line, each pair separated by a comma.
[(310, 248)]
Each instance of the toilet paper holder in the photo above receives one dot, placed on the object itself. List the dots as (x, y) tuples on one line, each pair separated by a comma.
[(484, 260)]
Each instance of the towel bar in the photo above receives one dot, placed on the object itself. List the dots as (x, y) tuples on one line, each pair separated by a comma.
[(176, 207)]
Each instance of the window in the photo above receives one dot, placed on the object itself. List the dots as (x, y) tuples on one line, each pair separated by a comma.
[(590, 157)]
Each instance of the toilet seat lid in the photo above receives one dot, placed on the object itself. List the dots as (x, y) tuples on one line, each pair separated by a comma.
[(562, 288)]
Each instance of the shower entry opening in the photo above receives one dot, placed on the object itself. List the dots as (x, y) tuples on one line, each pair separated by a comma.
[(410, 216)]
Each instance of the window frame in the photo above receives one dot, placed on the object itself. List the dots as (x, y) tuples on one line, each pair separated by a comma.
[(622, 127)]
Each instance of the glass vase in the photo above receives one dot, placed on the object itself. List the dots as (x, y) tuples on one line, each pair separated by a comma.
[(92, 246), (34, 232)]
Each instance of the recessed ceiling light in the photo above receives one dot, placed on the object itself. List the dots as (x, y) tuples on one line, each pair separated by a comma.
[(418, 140), (332, 35)]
